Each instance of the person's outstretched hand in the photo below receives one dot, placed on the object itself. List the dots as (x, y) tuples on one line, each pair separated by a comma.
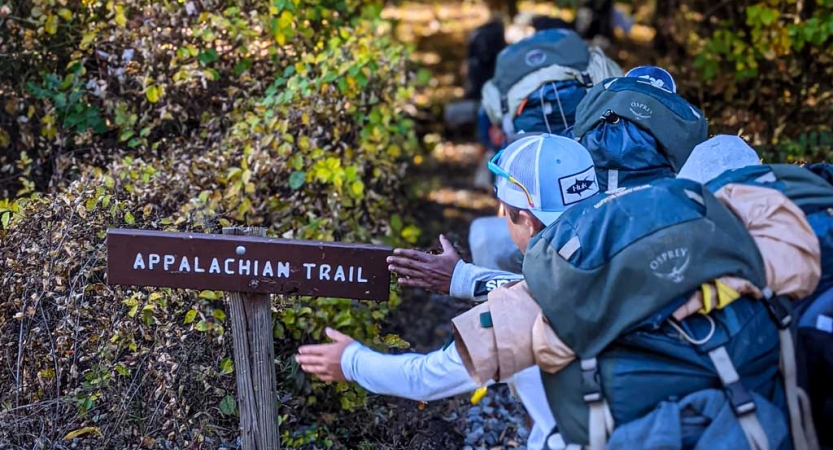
[(424, 270), (324, 360)]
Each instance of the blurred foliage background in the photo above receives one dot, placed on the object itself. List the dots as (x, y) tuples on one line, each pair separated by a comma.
[(297, 115)]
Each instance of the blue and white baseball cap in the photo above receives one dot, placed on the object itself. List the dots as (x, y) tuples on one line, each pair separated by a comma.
[(545, 174), (656, 76)]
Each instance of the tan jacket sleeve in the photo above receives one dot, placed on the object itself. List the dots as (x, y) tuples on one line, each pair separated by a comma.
[(789, 247), (515, 336)]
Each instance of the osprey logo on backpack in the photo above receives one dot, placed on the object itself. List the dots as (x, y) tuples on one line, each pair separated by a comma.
[(641, 111), (535, 58), (671, 265)]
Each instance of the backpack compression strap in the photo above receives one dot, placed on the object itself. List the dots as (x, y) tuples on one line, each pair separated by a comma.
[(801, 419), (600, 424), (742, 403)]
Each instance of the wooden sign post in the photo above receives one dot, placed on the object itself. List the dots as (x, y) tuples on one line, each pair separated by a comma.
[(248, 267)]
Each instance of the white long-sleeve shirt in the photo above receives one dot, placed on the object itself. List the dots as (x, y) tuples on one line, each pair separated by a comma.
[(440, 374)]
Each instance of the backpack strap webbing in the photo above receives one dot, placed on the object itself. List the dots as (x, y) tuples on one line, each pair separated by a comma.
[(741, 401), (600, 424), (801, 420)]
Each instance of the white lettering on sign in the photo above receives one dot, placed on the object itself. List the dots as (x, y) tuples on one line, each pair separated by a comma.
[(309, 267), (247, 267), (283, 269), (324, 272), (243, 266)]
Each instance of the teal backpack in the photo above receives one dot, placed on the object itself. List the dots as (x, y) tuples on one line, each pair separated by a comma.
[(811, 190), (637, 132), (626, 265)]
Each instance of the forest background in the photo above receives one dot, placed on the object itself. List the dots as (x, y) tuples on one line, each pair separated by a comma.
[(317, 119)]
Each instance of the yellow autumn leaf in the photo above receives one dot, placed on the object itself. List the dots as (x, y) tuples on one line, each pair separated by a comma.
[(65, 14), (5, 139), (121, 20), (82, 431), (51, 25), (153, 93), (358, 188), (11, 106)]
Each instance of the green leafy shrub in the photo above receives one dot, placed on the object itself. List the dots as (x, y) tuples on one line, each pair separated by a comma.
[(761, 68), (184, 117)]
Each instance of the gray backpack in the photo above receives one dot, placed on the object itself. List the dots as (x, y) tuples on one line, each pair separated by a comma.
[(549, 56)]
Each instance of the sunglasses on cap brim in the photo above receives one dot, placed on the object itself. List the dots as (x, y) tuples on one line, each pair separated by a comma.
[(497, 170)]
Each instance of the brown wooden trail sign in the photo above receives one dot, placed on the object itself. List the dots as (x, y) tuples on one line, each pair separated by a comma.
[(248, 266)]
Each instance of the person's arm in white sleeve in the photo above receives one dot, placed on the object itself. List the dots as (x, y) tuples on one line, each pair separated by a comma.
[(436, 375), (470, 282)]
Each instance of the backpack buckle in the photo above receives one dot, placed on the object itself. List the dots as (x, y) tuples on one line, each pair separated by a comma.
[(739, 398), (591, 386), (777, 311)]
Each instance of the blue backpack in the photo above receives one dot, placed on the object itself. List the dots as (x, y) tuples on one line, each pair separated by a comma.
[(811, 190), (551, 108), (707, 382), (637, 132)]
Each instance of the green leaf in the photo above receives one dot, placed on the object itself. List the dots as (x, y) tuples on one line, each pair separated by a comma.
[(128, 218), (123, 371), (126, 134), (210, 295), (228, 406), (201, 326), (396, 222), (208, 56), (190, 316), (297, 179), (219, 314), (424, 77), (226, 366), (4, 219), (242, 66), (135, 142)]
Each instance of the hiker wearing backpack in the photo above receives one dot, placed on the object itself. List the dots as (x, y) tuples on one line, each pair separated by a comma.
[(545, 160), (696, 285), (724, 160), (537, 85), (627, 149)]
